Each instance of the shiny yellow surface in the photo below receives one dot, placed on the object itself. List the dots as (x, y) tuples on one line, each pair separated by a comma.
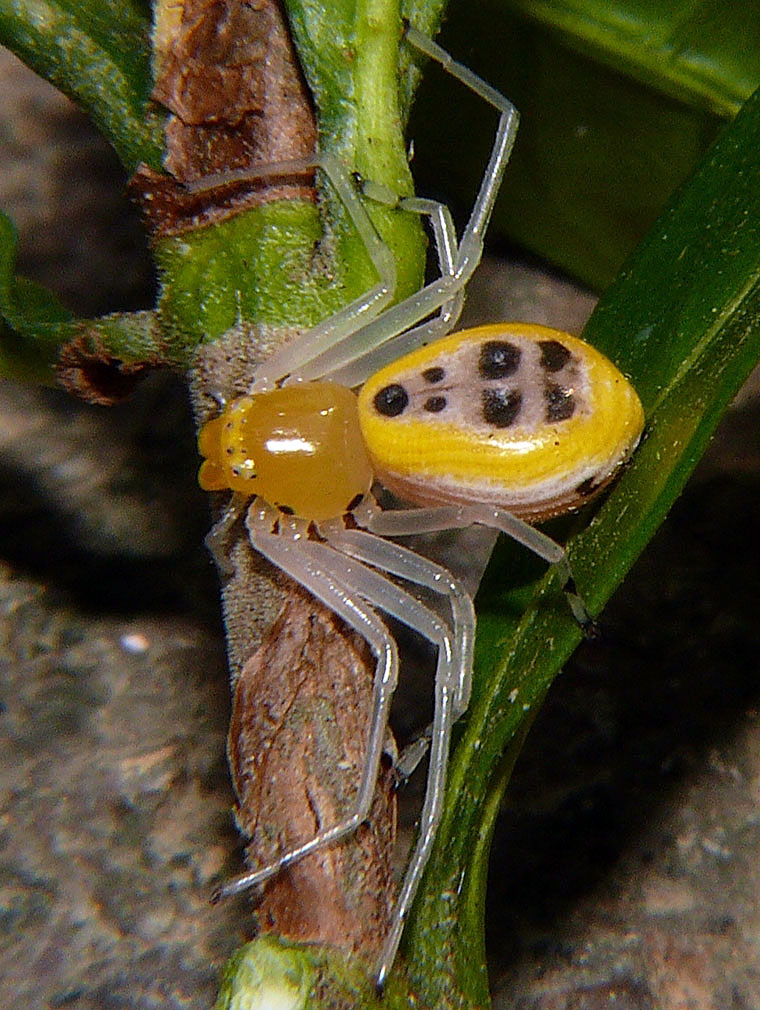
[(536, 470), (299, 448)]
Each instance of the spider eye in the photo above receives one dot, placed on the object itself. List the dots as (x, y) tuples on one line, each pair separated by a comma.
[(392, 400)]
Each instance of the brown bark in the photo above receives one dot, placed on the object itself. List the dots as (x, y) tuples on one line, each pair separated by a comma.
[(297, 742), (229, 76)]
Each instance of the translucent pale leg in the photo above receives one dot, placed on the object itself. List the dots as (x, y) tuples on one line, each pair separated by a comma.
[(290, 361), (216, 536), (432, 808), (339, 581), (352, 316), (395, 601), (452, 693), (361, 327), (359, 370), (334, 339), (413, 310), (397, 560), (303, 561), (408, 522)]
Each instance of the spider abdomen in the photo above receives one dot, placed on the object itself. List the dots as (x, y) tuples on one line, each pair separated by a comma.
[(299, 448), (515, 415)]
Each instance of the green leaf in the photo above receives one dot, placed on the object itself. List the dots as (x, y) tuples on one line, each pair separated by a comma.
[(33, 323), (683, 320), (99, 54), (619, 101), (705, 53), (34, 326)]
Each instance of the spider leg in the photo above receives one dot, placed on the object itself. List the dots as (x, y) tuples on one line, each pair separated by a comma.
[(341, 582), (407, 522), (216, 536), (313, 565), (471, 246), (398, 560), (346, 321), (323, 348), (361, 327), (452, 682), (417, 307), (351, 362), (432, 808), (412, 754)]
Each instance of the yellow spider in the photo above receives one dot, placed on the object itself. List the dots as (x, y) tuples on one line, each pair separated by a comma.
[(502, 425)]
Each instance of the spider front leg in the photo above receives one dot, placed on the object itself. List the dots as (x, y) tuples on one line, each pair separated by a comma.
[(343, 344), (311, 565), (364, 346), (346, 321), (380, 350), (396, 321), (317, 350)]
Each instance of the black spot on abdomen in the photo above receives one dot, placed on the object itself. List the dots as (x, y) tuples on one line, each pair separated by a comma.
[(435, 404), (434, 374), (392, 400), (560, 403), (554, 355), (501, 407), (498, 359)]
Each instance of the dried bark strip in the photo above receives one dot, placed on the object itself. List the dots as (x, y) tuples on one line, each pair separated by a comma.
[(296, 747), (88, 370), (229, 76)]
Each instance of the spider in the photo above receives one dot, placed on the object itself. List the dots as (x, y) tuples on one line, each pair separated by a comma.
[(502, 425)]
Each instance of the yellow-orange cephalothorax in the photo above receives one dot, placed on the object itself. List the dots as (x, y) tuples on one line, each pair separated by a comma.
[(300, 448)]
